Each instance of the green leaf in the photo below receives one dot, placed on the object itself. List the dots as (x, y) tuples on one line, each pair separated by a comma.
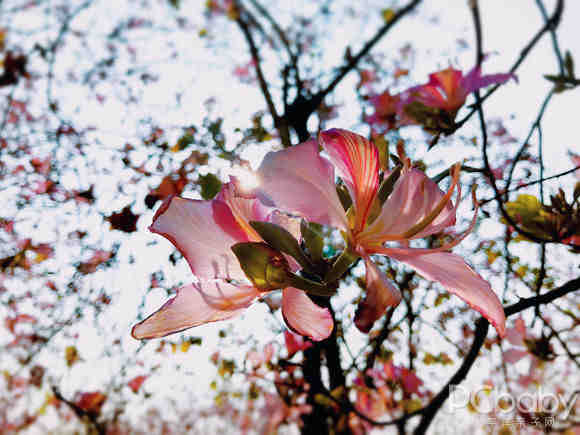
[(184, 141), (388, 184), (382, 145), (569, 64), (341, 265), (313, 239), (210, 185), (281, 240), (344, 196)]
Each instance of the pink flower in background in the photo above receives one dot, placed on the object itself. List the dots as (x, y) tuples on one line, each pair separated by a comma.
[(204, 232), (576, 162), (526, 345), (295, 343), (257, 359), (275, 412), (448, 89), (367, 77), (386, 109), (245, 72), (299, 180)]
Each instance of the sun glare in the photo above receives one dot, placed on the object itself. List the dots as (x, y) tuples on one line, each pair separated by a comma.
[(248, 179)]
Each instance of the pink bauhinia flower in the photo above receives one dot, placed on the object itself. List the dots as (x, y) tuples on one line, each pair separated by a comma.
[(204, 232), (301, 181), (386, 108), (448, 89)]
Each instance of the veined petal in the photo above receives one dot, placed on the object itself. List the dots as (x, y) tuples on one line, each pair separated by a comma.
[(298, 180), (381, 293), (244, 210), (194, 305), (414, 197), (204, 232), (388, 251), (458, 278), (357, 162), (449, 81), (305, 317)]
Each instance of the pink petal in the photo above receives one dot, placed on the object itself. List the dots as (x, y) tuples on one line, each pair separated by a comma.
[(404, 244), (194, 305), (256, 358), (385, 104), (244, 210), (295, 343), (458, 278), (203, 231), (298, 180), (289, 223), (474, 80), (449, 81), (512, 356), (136, 382), (381, 293), (414, 196), (305, 317), (442, 91), (371, 404), (357, 162), (517, 333)]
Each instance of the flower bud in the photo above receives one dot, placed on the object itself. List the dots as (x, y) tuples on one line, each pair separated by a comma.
[(265, 267)]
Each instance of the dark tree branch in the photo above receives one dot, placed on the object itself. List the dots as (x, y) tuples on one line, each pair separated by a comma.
[(429, 412), (282, 36), (244, 26), (482, 325), (531, 183), (82, 414), (379, 340), (554, 333), (555, 44), (543, 299), (524, 145), (481, 329)]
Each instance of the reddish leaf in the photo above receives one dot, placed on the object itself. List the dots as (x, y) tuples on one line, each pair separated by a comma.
[(14, 68), (91, 402), (125, 220), (11, 322), (136, 383)]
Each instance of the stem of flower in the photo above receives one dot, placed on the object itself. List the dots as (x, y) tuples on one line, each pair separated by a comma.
[(309, 286)]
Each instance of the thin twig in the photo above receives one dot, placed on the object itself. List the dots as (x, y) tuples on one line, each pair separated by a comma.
[(354, 60), (552, 23)]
